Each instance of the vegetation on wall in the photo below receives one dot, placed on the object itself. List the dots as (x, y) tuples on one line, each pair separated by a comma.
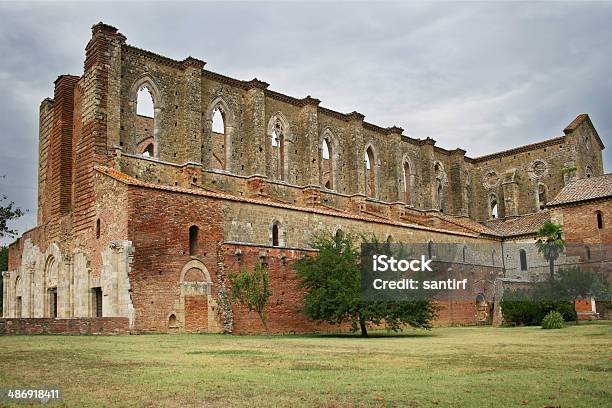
[(252, 290)]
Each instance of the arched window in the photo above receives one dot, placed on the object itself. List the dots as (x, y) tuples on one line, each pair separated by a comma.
[(147, 104), (408, 182), (588, 171), (277, 135), (464, 253), (523, 259), (493, 206), (438, 170), (144, 103), (600, 221), (218, 139), (172, 321), (148, 151), (218, 120), (193, 240), (98, 228), (370, 172), (339, 234), (327, 167), (276, 234), (430, 249), (493, 255), (542, 196), (389, 239)]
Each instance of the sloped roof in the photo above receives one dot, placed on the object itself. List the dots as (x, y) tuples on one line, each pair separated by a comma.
[(524, 225), (469, 224), (583, 190), (127, 179), (577, 122)]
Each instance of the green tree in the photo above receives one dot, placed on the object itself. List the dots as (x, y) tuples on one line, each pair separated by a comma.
[(8, 212), (573, 284), (252, 290), (3, 267), (550, 244), (332, 280), (3, 258)]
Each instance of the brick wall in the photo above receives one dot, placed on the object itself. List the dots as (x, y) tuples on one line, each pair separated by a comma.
[(96, 326), (580, 223)]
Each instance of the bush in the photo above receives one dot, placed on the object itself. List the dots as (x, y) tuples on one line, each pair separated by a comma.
[(553, 320), (518, 309), (567, 311)]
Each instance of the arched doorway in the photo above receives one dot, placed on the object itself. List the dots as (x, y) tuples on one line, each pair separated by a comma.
[(482, 309), (194, 311)]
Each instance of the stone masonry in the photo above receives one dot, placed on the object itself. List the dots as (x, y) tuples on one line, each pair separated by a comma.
[(141, 217)]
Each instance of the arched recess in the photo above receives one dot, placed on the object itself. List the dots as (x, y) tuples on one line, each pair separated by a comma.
[(221, 145), (146, 147), (371, 170), (146, 81), (329, 167), (195, 309), (280, 142), (197, 265), (51, 280), (278, 234), (408, 172), (541, 196), (493, 206)]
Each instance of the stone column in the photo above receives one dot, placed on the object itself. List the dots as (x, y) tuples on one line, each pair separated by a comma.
[(396, 169), (115, 283), (192, 77), (255, 126), (511, 204), (428, 179), (355, 131), (458, 200), (310, 128), (113, 119)]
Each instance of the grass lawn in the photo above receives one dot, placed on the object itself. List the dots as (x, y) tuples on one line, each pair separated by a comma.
[(458, 367)]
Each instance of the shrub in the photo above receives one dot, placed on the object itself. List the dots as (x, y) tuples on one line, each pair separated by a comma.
[(553, 320), (518, 309)]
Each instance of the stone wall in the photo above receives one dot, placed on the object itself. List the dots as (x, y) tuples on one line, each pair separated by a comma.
[(96, 231), (80, 326)]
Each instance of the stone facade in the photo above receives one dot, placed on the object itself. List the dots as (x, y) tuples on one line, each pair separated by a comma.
[(143, 217)]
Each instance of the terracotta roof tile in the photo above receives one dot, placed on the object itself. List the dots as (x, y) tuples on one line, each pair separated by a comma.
[(524, 225), (584, 189), (469, 224), (575, 123), (120, 176)]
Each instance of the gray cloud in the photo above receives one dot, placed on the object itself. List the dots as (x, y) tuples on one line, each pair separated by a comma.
[(485, 77)]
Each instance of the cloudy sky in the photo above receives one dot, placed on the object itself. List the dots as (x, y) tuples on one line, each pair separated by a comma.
[(484, 77)]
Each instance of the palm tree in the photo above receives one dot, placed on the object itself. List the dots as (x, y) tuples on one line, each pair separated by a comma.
[(550, 243)]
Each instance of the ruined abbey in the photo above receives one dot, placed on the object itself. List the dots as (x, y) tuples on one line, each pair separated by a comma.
[(142, 217)]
